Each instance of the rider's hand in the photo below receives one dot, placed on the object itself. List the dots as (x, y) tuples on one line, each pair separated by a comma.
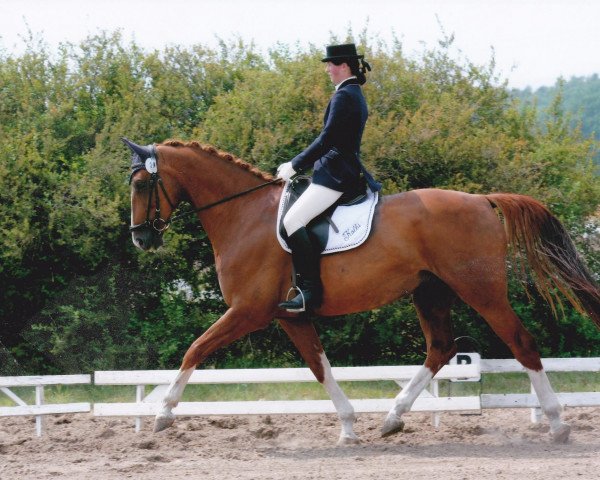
[(285, 171)]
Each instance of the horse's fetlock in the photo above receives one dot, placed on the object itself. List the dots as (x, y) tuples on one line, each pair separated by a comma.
[(347, 416)]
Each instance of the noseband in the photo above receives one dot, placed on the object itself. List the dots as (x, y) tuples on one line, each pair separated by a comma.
[(158, 223)]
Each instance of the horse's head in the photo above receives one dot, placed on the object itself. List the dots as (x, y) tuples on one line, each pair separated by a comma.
[(152, 197)]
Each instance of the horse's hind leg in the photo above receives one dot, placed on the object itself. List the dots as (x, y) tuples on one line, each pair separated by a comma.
[(433, 300), (509, 328), (489, 298), (303, 335)]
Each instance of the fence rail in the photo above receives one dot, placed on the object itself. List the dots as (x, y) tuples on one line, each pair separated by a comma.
[(276, 375), (507, 365)]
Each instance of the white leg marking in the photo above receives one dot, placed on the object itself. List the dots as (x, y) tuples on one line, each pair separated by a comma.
[(549, 404), (404, 400), (342, 405), (409, 394), (165, 416)]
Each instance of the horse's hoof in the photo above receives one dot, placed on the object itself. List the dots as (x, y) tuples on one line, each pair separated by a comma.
[(393, 424), (162, 422), (561, 434), (346, 440)]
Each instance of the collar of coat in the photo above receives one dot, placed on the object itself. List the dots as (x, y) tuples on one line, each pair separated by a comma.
[(348, 81)]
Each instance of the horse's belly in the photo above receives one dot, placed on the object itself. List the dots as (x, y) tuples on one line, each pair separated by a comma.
[(354, 285)]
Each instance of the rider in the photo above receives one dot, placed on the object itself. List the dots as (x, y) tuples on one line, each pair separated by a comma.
[(334, 156)]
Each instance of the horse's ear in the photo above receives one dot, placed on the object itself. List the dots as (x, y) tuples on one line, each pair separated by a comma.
[(139, 154), (142, 152), (129, 143)]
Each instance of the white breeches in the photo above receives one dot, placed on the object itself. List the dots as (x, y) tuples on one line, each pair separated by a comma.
[(314, 201)]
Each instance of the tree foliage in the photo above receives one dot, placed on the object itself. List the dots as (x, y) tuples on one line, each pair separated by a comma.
[(75, 295), (579, 99)]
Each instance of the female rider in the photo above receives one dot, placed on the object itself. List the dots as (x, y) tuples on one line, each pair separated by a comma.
[(337, 169)]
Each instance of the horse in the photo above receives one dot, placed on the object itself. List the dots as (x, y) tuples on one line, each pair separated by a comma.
[(436, 245)]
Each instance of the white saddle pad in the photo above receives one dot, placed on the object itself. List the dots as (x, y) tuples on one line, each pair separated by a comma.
[(353, 223)]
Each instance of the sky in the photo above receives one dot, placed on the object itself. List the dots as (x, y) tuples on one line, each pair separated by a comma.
[(534, 42)]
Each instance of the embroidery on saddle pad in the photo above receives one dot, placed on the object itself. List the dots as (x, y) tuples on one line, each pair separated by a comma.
[(352, 222)]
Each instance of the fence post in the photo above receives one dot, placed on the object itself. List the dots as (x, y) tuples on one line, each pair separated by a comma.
[(435, 390), (39, 400), (139, 398), (536, 412)]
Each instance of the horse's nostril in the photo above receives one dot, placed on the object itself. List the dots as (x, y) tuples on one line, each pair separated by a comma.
[(140, 242)]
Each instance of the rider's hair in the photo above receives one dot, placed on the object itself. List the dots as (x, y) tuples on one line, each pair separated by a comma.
[(357, 69)]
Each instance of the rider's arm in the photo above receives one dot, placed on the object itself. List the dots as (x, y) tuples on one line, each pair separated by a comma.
[(330, 135)]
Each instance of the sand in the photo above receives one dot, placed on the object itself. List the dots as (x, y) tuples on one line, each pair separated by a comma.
[(498, 444)]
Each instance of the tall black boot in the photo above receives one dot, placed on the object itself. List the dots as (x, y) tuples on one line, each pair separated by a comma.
[(306, 261)]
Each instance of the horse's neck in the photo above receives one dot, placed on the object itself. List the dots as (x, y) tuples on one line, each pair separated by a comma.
[(227, 223)]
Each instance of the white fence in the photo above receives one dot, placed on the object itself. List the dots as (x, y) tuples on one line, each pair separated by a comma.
[(40, 408), (524, 400), (429, 401), (148, 405)]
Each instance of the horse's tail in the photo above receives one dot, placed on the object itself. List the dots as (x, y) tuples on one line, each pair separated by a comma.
[(531, 229)]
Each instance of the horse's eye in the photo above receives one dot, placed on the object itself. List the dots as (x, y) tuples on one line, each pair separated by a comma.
[(140, 185)]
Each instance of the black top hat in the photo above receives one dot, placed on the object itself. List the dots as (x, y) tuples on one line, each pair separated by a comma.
[(341, 52)]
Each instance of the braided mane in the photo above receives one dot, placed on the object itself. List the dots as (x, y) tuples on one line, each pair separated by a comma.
[(222, 155)]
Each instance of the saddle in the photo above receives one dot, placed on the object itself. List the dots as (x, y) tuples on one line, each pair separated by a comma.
[(343, 226)]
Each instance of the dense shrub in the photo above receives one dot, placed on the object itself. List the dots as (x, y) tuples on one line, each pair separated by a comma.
[(74, 293)]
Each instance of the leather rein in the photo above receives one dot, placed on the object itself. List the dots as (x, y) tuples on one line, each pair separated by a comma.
[(158, 223)]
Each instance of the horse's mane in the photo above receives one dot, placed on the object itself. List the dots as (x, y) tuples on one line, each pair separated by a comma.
[(222, 155)]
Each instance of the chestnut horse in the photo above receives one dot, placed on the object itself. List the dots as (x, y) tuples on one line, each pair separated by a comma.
[(435, 245)]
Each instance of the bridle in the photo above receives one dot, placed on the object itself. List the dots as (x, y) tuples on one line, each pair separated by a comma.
[(158, 223)]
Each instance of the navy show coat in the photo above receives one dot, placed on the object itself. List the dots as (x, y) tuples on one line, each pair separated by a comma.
[(334, 155)]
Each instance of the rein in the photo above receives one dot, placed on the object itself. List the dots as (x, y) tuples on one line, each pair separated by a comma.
[(227, 199), (159, 224)]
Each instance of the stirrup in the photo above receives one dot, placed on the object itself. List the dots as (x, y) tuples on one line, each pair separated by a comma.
[(287, 299)]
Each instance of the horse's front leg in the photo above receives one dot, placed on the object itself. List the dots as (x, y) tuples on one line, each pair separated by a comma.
[(231, 326), (305, 338)]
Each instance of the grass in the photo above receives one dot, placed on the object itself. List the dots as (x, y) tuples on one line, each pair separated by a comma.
[(490, 383)]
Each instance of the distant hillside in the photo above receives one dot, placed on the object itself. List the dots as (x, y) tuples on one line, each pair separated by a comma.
[(580, 97)]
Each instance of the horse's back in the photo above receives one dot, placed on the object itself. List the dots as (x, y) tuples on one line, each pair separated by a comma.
[(435, 201), (434, 209), (444, 228)]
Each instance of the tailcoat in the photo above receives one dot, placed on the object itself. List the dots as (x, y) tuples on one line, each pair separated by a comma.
[(334, 155)]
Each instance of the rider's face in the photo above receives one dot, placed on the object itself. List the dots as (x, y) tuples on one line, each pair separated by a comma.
[(337, 73)]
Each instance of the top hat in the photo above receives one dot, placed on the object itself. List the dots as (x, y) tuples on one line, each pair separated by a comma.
[(340, 52)]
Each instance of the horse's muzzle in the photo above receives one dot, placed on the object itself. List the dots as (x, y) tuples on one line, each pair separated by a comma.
[(147, 239)]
